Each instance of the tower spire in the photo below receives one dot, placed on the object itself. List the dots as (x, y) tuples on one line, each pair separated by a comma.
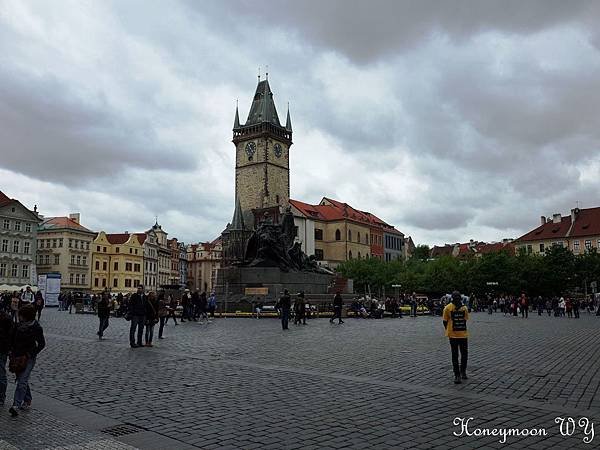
[(288, 121), (236, 122)]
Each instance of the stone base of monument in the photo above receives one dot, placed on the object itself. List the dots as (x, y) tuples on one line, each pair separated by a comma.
[(266, 284)]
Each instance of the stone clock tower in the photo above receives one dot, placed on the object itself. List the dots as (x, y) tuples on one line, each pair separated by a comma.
[(262, 163)]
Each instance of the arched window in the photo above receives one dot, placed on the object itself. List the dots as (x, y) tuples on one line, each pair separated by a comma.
[(350, 254), (358, 238), (338, 235), (358, 255), (349, 235), (367, 239)]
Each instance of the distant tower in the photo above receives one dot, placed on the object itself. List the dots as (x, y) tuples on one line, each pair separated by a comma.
[(262, 163)]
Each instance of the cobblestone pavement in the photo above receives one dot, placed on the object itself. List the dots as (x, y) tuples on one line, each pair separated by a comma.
[(244, 383)]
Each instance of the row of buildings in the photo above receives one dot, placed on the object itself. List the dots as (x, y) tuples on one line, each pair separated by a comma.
[(578, 232), (32, 245)]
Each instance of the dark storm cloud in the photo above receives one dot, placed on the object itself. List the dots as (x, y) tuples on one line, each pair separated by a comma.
[(51, 133), (368, 30)]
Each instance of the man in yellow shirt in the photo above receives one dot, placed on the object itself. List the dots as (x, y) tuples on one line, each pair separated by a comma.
[(455, 318)]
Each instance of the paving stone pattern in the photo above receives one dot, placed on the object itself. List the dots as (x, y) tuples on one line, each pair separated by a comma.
[(244, 383)]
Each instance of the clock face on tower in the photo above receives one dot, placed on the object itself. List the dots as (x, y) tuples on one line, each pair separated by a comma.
[(250, 150), (278, 151)]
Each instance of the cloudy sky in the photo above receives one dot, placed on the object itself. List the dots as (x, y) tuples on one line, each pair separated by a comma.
[(452, 120)]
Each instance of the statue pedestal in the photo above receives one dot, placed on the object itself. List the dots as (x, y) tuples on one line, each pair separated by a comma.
[(235, 280)]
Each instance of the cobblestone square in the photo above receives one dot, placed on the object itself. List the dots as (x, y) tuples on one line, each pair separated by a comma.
[(245, 383)]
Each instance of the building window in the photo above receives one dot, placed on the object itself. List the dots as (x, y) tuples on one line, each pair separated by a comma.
[(25, 272), (318, 234), (60, 242), (26, 247), (103, 282), (56, 259), (127, 282), (28, 228), (77, 279), (576, 246), (104, 249), (117, 250), (115, 282), (97, 264), (137, 268), (136, 251), (17, 225), (87, 245), (128, 267), (588, 245), (73, 261), (97, 247), (130, 250), (349, 235), (2, 269), (84, 260), (78, 260), (14, 271), (5, 245), (95, 282), (136, 283), (529, 248), (104, 265), (350, 254), (116, 266), (83, 278), (54, 243), (16, 247), (541, 248), (6, 224), (47, 259)]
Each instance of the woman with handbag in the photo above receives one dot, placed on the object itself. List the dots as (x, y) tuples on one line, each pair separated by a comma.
[(151, 317), (28, 341)]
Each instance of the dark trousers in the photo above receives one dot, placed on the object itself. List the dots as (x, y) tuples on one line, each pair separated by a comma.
[(171, 316), (103, 325), (136, 322), (524, 311), (337, 313), (285, 318), (39, 312), (455, 345), (161, 326)]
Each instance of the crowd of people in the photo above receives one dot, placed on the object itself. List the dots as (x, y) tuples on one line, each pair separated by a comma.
[(12, 302)]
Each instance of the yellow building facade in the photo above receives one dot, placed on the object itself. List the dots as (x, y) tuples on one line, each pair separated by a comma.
[(117, 262)]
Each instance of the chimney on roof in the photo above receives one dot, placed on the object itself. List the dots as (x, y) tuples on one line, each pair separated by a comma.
[(556, 218), (543, 219), (574, 214), (126, 232), (75, 217)]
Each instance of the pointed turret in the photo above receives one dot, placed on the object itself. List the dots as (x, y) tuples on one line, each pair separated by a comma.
[(236, 122), (288, 121), (237, 223), (263, 108)]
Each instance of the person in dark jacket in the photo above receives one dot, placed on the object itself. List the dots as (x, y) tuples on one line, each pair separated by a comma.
[(338, 303), (172, 309), (284, 305), (151, 317), (300, 310), (203, 307), (163, 312), (137, 312), (6, 332), (28, 340), (103, 314), (39, 304)]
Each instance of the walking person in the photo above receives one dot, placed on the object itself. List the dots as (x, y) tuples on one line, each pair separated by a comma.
[(338, 303), (172, 309), (163, 312), (524, 302), (212, 304), (151, 318), (103, 309), (576, 308), (137, 315), (28, 341), (195, 306), (6, 334), (455, 318), (39, 304), (284, 305), (203, 307), (185, 303), (27, 296), (569, 308), (300, 310)]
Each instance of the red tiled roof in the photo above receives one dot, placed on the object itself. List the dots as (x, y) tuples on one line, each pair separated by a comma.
[(63, 222), (141, 237), (441, 250), (119, 238), (587, 223), (4, 200), (335, 210), (549, 230)]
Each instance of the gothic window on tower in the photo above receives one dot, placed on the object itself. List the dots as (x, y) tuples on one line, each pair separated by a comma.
[(338, 235)]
